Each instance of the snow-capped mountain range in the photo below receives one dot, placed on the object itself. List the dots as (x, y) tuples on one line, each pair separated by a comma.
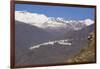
[(45, 22)]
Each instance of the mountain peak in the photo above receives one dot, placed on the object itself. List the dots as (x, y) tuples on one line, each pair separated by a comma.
[(30, 18), (88, 22)]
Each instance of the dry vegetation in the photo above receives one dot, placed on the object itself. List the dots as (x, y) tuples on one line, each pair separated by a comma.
[(87, 54)]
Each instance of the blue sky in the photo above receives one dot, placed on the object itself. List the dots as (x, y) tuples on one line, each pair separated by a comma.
[(75, 13)]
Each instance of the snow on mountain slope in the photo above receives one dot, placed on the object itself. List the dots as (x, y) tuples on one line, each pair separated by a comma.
[(30, 18), (88, 22), (43, 21)]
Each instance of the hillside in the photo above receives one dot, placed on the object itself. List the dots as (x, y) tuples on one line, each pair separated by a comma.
[(87, 54), (40, 39)]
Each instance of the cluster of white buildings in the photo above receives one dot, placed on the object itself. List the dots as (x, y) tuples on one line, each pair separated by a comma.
[(62, 42)]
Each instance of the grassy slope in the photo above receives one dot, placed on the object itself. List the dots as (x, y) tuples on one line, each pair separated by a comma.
[(86, 55)]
